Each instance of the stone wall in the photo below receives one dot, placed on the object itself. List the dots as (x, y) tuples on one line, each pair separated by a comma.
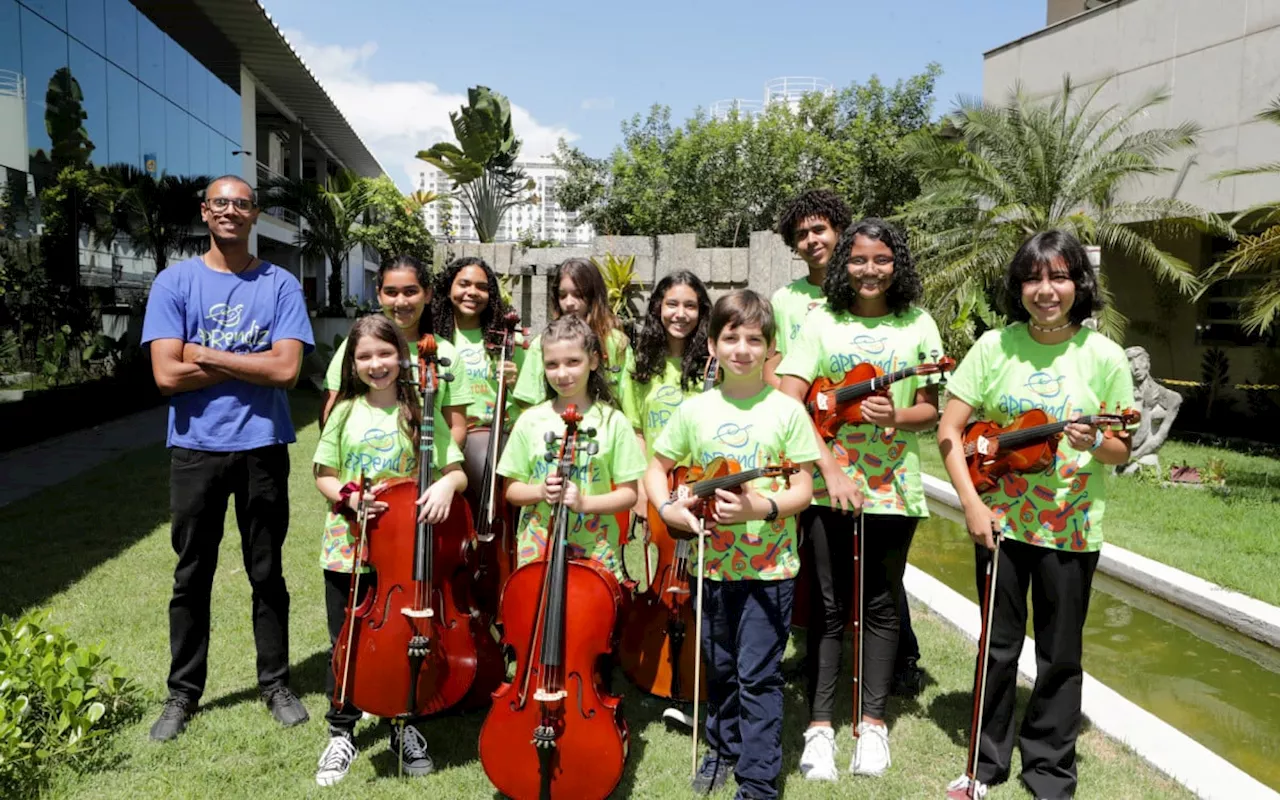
[(764, 265)]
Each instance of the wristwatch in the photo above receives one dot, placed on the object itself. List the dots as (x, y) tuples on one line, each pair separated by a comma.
[(773, 510)]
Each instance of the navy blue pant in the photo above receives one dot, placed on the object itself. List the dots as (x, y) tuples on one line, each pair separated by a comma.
[(744, 633)]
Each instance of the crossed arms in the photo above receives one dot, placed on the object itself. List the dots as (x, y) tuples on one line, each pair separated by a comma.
[(180, 366)]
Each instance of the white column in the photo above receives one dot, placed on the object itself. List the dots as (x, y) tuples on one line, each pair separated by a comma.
[(249, 138)]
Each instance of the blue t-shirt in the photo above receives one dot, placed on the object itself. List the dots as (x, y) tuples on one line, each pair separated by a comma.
[(243, 313)]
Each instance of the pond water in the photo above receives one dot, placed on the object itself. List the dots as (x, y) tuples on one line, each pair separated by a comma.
[(1215, 685)]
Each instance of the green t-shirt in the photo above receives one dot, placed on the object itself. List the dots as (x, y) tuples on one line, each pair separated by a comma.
[(754, 432), (649, 406), (1006, 373), (791, 304), (481, 369), (619, 460), (362, 437), (455, 392), (531, 384), (885, 468)]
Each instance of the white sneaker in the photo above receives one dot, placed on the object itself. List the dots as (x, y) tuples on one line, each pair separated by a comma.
[(964, 789), (335, 760), (410, 749), (678, 717), (818, 762), (871, 755)]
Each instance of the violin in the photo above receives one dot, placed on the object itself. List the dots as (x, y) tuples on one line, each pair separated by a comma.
[(833, 405), (719, 473), (553, 732), (495, 537), (652, 652), (1029, 443)]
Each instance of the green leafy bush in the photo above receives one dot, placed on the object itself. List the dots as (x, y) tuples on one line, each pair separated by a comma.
[(58, 703)]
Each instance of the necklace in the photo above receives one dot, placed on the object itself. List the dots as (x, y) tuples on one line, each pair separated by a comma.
[(247, 264), (1042, 329)]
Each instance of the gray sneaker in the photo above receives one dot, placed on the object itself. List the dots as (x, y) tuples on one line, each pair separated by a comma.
[(173, 718), (410, 749)]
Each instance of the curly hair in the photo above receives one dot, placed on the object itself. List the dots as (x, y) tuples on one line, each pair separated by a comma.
[(442, 311), (1038, 252), (651, 347), (905, 288), (572, 329), (813, 203)]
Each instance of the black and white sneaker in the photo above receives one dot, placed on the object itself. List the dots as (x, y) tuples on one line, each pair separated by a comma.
[(336, 759), (410, 749)]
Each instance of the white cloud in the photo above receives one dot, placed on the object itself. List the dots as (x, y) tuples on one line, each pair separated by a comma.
[(396, 119), (597, 104)]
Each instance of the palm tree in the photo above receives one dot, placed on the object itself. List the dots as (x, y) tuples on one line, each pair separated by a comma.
[(160, 216), (334, 211), (1256, 253), (484, 169), (997, 174)]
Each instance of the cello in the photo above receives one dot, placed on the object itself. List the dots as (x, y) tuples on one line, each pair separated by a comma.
[(409, 649), (652, 652), (553, 732)]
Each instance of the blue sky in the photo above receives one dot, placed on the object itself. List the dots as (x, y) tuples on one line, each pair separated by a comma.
[(577, 69)]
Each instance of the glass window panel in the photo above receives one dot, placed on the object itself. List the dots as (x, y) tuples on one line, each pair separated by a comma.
[(86, 22), (44, 52), (199, 155), (151, 130), (217, 115), (150, 54), (233, 115), (177, 140), (197, 90), (175, 72), (219, 152), (53, 10), (89, 70), (122, 118), (122, 35), (10, 43)]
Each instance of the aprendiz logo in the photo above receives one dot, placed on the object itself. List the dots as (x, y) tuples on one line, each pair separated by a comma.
[(581, 474), (868, 346), (474, 362), (1014, 406), (225, 315), (1045, 385), (731, 434), (388, 455), (669, 396), (379, 440)]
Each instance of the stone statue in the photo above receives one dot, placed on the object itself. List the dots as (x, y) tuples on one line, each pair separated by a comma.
[(1159, 406)]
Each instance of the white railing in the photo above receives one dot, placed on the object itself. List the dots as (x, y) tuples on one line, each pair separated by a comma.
[(266, 174), (13, 84), (791, 89)]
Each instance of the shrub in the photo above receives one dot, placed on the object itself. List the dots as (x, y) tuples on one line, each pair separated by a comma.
[(59, 701)]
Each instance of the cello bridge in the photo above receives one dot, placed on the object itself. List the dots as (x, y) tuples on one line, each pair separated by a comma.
[(418, 613), (677, 590), (545, 696)]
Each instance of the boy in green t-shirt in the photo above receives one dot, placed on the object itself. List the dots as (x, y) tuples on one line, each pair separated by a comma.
[(753, 554)]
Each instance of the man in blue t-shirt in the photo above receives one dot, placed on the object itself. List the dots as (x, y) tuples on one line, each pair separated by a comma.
[(227, 333)]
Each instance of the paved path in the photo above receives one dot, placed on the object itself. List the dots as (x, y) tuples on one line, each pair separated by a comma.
[(29, 469)]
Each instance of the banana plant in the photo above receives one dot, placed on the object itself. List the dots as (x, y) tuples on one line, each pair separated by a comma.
[(621, 282)]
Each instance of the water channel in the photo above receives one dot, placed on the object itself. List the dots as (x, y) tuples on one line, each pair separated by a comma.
[(1215, 685)]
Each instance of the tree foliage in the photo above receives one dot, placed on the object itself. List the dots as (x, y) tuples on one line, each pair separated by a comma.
[(397, 226), (161, 216), (723, 178)]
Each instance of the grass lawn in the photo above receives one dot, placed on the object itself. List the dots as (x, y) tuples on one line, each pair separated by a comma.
[(96, 554), (1229, 539)]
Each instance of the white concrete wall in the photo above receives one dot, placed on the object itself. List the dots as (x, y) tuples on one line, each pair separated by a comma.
[(1221, 60)]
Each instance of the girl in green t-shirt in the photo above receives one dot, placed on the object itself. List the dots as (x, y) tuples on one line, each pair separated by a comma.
[(602, 485), (578, 291), (373, 431), (1050, 522), (872, 469)]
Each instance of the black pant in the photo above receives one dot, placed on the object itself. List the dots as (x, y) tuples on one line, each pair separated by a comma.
[(337, 593), (829, 545), (1059, 582), (745, 627), (199, 484), (908, 645)]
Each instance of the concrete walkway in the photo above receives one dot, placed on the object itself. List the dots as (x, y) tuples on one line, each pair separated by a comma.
[(27, 470)]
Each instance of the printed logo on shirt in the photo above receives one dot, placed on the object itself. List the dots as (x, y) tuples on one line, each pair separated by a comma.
[(1047, 393), (223, 336), (868, 346), (379, 440), (870, 351), (381, 452), (735, 438), (731, 434), (1045, 385), (668, 398)]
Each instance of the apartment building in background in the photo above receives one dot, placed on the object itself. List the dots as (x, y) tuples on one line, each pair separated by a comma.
[(179, 87), (1221, 63)]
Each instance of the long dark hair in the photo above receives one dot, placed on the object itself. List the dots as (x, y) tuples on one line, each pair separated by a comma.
[(586, 278), (651, 342), (1036, 253), (905, 288), (423, 275), (442, 311), (571, 329), (351, 387)]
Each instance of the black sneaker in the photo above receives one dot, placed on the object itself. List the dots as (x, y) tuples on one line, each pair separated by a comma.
[(909, 681), (713, 772), (410, 750), (173, 718), (285, 705)]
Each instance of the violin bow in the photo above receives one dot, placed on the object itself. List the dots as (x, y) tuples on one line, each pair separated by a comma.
[(697, 634), (858, 573), (980, 676)]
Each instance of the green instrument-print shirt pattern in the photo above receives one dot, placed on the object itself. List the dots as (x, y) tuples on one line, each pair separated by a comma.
[(754, 431), (884, 465), (619, 460), (1007, 373)]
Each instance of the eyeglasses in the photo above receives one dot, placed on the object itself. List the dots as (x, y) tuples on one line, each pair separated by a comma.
[(221, 203)]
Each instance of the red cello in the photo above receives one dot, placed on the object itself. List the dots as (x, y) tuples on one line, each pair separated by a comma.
[(553, 732)]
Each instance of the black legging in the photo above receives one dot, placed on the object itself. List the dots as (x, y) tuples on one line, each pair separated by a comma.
[(829, 546)]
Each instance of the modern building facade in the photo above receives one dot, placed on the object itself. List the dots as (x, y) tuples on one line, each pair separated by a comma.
[(178, 87), (540, 217), (1221, 63)]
